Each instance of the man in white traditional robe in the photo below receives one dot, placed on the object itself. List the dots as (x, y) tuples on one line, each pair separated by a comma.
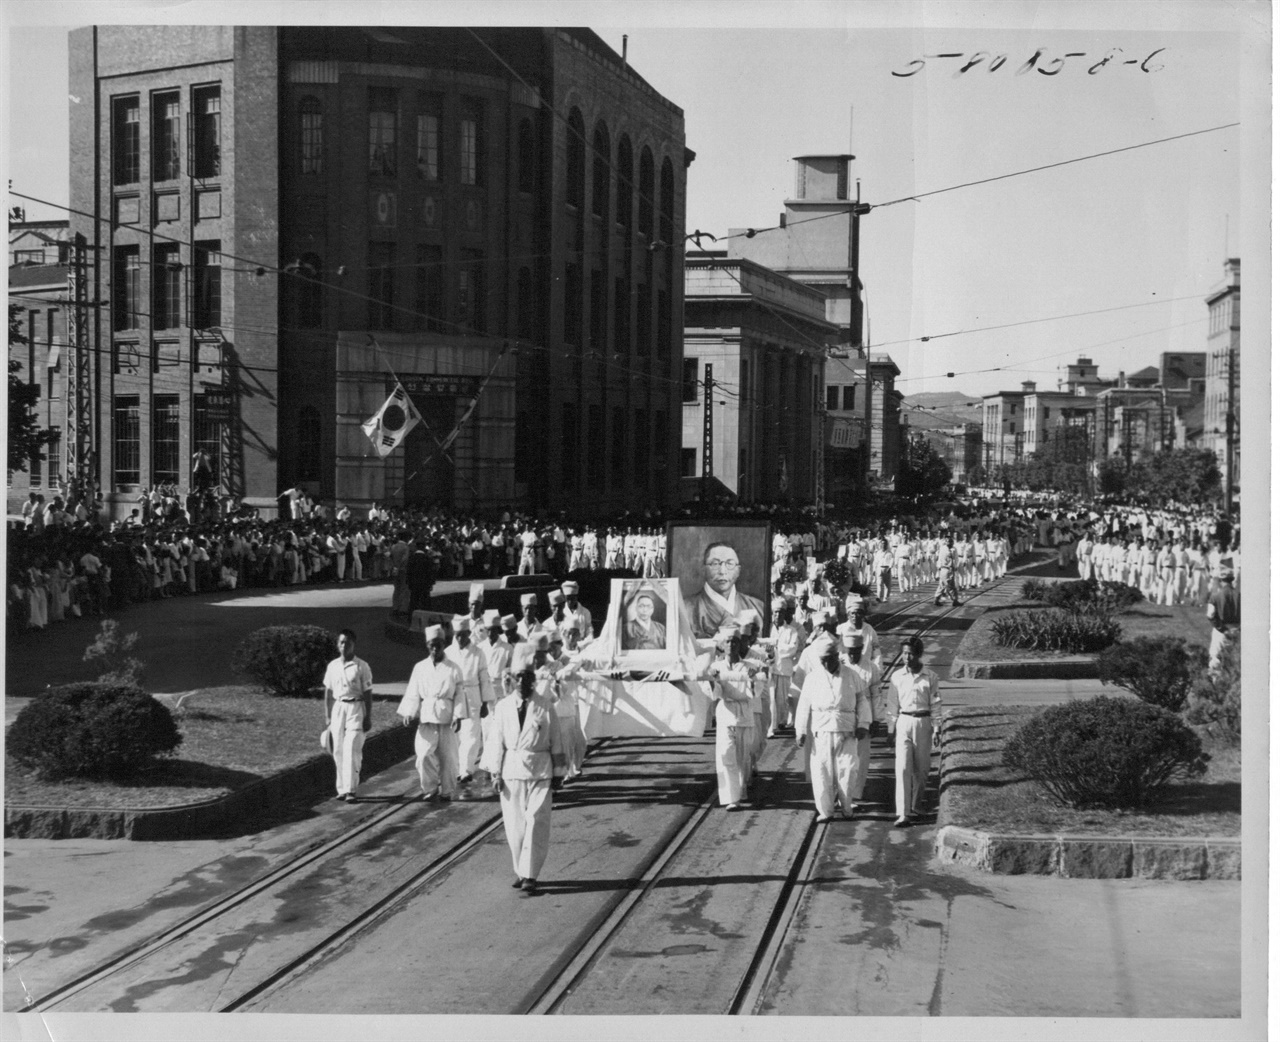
[(475, 698), (526, 760), (833, 714), (432, 699)]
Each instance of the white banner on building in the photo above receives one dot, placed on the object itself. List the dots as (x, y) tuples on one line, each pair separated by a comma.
[(844, 434), (392, 423)]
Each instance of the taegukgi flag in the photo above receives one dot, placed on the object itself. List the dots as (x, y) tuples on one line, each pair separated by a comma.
[(392, 423)]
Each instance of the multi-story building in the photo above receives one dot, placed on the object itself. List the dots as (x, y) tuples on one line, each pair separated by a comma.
[(1045, 411), (38, 288), (1002, 418), (1222, 378), (765, 337), (291, 219)]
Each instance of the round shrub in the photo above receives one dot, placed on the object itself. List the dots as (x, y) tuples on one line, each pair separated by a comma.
[(92, 729), (287, 660), (1213, 702), (1159, 670), (1052, 629), (1105, 752), (1034, 590)]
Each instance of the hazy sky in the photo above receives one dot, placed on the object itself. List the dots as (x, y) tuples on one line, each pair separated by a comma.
[(761, 83)]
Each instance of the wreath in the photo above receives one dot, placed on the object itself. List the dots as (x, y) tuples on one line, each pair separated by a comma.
[(837, 574)]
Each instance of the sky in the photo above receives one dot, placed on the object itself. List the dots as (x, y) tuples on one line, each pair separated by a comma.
[(1142, 234)]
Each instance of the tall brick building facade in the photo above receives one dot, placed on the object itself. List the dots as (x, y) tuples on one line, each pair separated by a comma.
[(284, 217)]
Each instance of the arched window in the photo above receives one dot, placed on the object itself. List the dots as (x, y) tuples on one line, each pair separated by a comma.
[(600, 171), (575, 159), (308, 444), (625, 175), (310, 291), (311, 128), (667, 203), (526, 156), (645, 187)]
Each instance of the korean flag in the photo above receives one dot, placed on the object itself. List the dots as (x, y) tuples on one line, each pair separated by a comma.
[(393, 422)]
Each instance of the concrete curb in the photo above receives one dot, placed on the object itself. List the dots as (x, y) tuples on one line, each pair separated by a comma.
[(1075, 668), (1091, 857), (313, 777)]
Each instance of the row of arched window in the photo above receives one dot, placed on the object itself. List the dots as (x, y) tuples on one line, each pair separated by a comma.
[(601, 159)]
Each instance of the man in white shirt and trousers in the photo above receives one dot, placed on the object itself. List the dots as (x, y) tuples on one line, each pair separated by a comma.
[(834, 713), (475, 698), (432, 699), (913, 702), (526, 760), (348, 710)]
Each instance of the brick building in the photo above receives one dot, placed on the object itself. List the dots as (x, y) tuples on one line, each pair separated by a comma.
[(284, 217)]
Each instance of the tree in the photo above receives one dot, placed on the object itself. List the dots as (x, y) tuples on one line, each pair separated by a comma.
[(922, 473), (25, 435)]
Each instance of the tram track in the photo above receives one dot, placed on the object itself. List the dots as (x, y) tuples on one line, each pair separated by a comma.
[(575, 965)]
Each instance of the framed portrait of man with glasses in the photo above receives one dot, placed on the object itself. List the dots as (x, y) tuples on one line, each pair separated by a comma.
[(723, 569)]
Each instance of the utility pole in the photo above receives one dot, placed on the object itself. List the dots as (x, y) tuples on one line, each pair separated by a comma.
[(80, 453), (1231, 428), (707, 438)]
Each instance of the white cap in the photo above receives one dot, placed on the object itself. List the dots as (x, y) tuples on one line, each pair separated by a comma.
[(431, 633), (522, 657), (528, 598), (462, 624), (492, 617)]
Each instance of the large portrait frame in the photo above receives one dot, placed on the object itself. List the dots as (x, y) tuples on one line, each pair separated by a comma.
[(750, 542), (646, 636)]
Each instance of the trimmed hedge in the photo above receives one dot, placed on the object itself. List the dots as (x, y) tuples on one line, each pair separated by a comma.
[(1213, 701), (1105, 752), (92, 729), (1159, 670), (1083, 595), (1052, 629), (287, 660)]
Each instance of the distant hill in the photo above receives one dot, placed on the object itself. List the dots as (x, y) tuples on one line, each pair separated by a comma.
[(945, 409)]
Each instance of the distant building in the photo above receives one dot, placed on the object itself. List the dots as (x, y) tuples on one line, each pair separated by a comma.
[(1044, 411), (765, 337), (1222, 377), (285, 216), (38, 270), (960, 447), (1002, 416)]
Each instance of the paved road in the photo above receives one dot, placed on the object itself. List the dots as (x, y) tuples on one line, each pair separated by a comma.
[(881, 929)]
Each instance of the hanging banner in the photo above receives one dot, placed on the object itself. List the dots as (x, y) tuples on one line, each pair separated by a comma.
[(845, 434), (392, 423)]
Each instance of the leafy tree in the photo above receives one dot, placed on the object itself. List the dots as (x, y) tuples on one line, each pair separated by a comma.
[(25, 435), (922, 473)]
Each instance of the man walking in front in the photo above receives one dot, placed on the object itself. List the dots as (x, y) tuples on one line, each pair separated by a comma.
[(914, 702), (526, 760), (475, 697), (348, 711), (835, 709), (435, 687)]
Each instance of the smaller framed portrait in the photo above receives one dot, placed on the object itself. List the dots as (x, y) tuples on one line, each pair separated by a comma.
[(647, 633)]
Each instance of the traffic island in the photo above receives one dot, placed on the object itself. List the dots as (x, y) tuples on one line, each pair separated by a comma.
[(996, 821)]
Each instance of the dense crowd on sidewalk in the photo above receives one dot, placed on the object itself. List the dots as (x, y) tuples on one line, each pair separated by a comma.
[(64, 559)]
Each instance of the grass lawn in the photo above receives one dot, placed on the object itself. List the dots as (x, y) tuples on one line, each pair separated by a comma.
[(231, 736), (1141, 620), (979, 792)]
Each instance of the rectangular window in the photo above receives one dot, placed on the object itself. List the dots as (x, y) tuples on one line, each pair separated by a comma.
[(208, 435), (689, 389), (595, 459), (851, 398), (166, 286), (688, 463), (618, 455), (208, 284), (125, 141), (598, 312), (165, 354), (573, 304), (165, 466), (128, 282), (126, 435), (53, 456), (165, 133), (833, 398), (312, 128), (429, 298), (472, 304), (125, 359), (471, 143), (382, 132), (569, 445), (382, 285), (429, 138), (206, 103)]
